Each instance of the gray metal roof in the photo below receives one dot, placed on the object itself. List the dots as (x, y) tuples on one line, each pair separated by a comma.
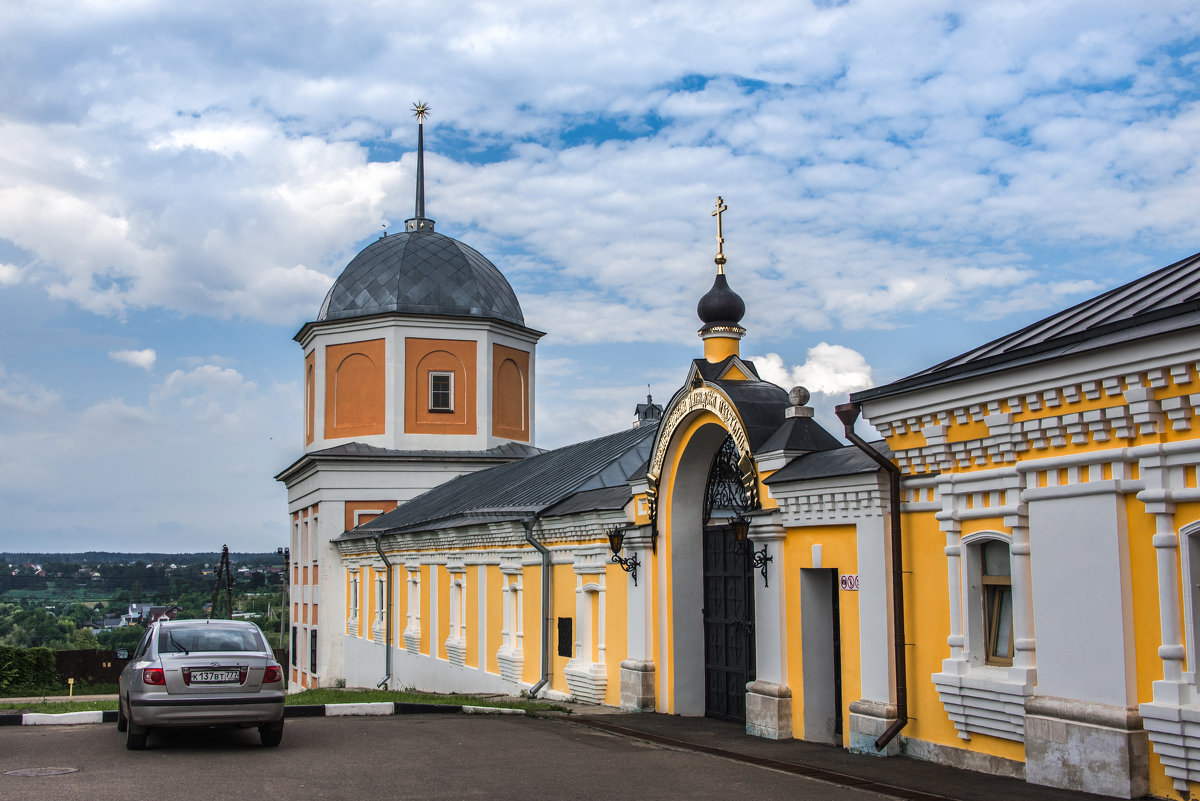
[(603, 499), (1163, 301), (800, 434), (519, 489), (352, 451), (847, 460), (421, 272), (760, 405)]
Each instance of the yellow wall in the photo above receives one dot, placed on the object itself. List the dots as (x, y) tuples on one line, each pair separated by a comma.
[(444, 578), (562, 593), (531, 579), (839, 550), (616, 639), (718, 348), (426, 634), (495, 594)]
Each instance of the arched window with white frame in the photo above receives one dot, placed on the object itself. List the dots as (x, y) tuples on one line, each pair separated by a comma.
[(988, 599)]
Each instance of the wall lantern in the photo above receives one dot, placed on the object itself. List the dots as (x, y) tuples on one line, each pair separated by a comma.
[(628, 563), (759, 558)]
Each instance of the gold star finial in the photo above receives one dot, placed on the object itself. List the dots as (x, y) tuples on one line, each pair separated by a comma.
[(720, 257), (421, 110)]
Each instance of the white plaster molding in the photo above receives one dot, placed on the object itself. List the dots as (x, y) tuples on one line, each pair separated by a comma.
[(587, 681), (590, 560), (977, 697), (511, 655), (982, 700), (844, 500), (412, 627)]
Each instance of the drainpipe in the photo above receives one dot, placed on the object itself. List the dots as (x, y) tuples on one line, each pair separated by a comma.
[(387, 637), (848, 413), (528, 523)]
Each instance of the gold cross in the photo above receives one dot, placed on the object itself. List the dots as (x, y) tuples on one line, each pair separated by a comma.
[(421, 110), (720, 258)]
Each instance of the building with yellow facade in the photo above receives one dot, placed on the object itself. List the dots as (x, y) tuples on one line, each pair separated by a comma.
[(1003, 582)]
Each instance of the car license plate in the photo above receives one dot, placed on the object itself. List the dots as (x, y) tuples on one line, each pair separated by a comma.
[(215, 676)]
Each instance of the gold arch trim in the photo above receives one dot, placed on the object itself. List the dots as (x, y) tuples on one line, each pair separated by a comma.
[(701, 397)]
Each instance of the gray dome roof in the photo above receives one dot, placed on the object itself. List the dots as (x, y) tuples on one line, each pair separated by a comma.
[(421, 272)]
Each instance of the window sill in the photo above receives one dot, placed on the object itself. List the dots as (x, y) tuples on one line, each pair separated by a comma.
[(985, 699)]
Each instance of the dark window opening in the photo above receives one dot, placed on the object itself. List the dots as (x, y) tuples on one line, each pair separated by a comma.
[(566, 639), (295, 636), (312, 653)]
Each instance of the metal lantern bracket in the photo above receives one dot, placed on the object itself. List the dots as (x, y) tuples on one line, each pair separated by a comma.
[(760, 562), (758, 557), (629, 564)]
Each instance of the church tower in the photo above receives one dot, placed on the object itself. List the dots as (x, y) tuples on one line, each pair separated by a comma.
[(418, 368), (419, 345)]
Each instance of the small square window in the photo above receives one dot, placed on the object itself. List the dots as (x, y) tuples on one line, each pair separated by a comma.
[(441, 392)]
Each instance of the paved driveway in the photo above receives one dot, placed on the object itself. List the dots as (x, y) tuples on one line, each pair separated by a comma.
[(408, 756)]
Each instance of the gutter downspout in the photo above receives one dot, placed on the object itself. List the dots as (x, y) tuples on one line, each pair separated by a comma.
[(387, 637), (848, 413), (528, 523)]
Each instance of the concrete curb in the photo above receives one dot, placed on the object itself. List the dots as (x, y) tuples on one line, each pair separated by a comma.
[(299, 711)]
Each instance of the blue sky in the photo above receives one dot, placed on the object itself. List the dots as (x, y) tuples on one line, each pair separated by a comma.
[(180, 184)]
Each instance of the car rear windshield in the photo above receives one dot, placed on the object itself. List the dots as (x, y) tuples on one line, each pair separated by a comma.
[(208, 638)]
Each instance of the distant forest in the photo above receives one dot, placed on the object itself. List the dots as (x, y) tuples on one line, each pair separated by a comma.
[(62, 600)]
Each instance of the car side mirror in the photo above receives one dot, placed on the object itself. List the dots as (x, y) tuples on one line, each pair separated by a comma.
[(120, 653)]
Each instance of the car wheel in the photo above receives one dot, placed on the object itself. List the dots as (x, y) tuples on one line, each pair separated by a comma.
[(122, 721), (135, 736), (271, 734)]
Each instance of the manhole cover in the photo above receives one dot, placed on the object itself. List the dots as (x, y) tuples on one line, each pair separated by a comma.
[(39, 771)]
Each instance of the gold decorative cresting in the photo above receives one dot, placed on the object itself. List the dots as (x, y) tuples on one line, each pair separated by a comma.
[(421, 110), (720, 257)]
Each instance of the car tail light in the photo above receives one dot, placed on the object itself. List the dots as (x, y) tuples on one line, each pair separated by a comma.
[(273, 675), (153, 676)]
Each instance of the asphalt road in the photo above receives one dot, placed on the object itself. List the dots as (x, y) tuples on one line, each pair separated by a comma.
[(398, 757)]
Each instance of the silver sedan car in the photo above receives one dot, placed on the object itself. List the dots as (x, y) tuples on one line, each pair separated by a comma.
[(201, 673)]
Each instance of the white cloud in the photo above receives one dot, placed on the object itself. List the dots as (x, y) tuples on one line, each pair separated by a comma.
[(833, 370), (135, 358), (885, 162), (868, 192)]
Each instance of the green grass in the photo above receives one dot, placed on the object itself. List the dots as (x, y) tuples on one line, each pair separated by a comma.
[(81, 688), (335, 696), (59, 707), (323, 696)]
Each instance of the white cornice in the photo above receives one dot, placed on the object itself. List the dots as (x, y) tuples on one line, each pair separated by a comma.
[(1109, 369)]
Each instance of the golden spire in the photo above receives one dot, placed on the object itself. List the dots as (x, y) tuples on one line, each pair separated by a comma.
[(421, 110), (720, 257)]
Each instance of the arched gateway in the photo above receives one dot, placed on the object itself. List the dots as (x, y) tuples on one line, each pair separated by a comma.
[(704, 490)]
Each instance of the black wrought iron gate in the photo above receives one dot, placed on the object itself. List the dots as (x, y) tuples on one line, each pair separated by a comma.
[(728, 625)]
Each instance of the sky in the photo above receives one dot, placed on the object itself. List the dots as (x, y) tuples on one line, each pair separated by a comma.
[(180, 184)]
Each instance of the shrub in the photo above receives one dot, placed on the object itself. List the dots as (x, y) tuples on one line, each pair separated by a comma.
[(26, 669)]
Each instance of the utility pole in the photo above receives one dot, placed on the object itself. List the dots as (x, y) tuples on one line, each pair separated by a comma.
[(222, 570)]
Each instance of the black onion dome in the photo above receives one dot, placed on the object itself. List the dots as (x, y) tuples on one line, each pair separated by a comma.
[(720, 305), (421, 272)]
